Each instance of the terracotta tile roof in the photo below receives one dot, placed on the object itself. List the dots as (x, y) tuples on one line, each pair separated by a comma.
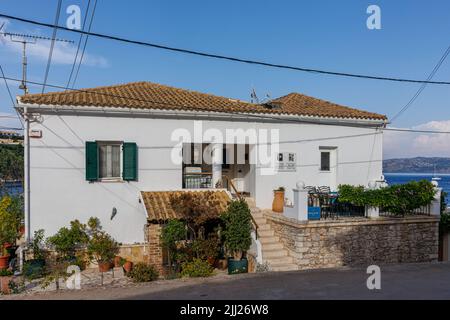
[(159, 208), (147, 95)]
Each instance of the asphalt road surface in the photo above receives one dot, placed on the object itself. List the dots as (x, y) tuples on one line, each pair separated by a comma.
[(403, 281)]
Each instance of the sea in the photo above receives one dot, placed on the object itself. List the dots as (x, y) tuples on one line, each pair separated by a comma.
[(16, 188)]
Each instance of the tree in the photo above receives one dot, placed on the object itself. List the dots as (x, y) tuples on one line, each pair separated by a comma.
[(9, 224), (198, 209), (238, 227)]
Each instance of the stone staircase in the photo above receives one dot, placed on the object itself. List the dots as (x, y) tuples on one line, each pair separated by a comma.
[(273, 251)]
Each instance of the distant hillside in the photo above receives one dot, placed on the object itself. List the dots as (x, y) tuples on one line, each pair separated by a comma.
[(417, 165)]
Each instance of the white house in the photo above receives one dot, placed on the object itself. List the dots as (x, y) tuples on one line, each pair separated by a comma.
[(93, 151)]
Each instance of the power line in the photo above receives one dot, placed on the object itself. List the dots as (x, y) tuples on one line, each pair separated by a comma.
[(84, 46), (416, 130), (10, 96), (79, 44), (52, 45), (422, 87), (222, 57)]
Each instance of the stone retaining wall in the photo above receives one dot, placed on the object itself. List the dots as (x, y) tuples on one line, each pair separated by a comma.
[(358, 241)]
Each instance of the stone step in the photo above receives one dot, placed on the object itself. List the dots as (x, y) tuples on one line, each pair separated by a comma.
[(260, 221), (266, 233), (268, 240), (258, 215), (251, 202), (286, 267), (279, 262), (274, 254), (276, 245), (264, 226)]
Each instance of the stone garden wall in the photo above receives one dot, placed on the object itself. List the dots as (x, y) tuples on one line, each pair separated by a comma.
[(357, 241)]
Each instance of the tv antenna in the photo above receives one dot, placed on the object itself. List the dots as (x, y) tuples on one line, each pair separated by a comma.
[(25, 39), (255, 99)]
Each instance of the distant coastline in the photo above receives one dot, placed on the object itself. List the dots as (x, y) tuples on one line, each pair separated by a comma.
[(417, 165)]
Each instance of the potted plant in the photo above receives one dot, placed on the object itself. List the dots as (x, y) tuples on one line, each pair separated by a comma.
[(101, 247), (237, 235), (207, 249), (278, 200), (6, 277), (67, 241), (119, 261), (34, 268)]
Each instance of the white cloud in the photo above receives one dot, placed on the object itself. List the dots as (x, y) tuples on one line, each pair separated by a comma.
[(63, 52), (407, 144)]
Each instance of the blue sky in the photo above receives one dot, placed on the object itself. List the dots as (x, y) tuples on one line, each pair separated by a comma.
[(317, 34)]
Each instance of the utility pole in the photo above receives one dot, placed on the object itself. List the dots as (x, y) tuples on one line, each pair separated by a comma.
[(32, 39)]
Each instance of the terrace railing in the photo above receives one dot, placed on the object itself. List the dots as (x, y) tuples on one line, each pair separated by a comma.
[(425, 211), (201, 180)]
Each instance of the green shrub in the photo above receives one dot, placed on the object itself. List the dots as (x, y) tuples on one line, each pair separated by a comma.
[(173, 232), (399, 199), (9, 223), (206, 248), (444, 224), (102, 247), (237, 232), (67, 240), (5, 273), (196, 268), (37, 245), (143, 272)]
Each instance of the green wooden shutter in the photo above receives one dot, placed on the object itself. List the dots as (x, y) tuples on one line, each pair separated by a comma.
[(91, 161), (129, 161)]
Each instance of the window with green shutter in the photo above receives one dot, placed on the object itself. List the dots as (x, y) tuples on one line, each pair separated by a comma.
[(130, 159), (91, 161)]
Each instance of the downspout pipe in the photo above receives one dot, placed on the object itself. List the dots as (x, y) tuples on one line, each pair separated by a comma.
[(27, 176)]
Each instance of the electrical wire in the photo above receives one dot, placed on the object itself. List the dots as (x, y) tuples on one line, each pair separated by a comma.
[(79, 44), (52, 45), (11, 97), (222, 57), (84, 46), (422, 87)]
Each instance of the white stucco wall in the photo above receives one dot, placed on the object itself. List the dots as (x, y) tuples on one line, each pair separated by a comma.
[(60, 193)]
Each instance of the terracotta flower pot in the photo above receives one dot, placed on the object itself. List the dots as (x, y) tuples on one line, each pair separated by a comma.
[(4, 284), (278, 201), (128, 266), (117, 260), (4, 260), (104, 266)]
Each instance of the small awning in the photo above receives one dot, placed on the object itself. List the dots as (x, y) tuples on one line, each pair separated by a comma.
[(159, 208)]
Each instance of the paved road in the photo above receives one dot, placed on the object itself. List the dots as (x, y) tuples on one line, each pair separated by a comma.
[(405, 281)]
